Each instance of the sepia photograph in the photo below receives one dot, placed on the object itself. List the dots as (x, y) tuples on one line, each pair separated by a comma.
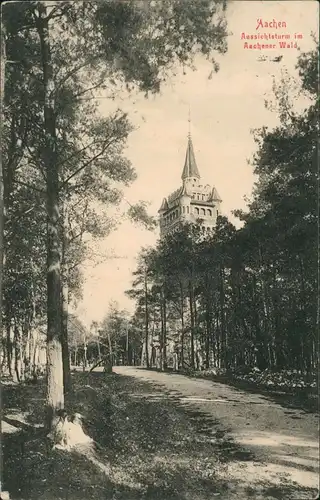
[(159, 250)]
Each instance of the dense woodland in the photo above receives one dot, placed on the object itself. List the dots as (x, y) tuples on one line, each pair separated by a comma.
[(63, 164), (243, 297), (247, 297)]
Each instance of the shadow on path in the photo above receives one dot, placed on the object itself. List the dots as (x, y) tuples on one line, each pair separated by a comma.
[(154, 446)]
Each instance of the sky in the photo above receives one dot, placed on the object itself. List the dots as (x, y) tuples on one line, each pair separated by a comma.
[(224, 110)]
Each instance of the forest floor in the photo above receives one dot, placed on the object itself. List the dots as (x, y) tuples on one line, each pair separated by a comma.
[(161, 436)]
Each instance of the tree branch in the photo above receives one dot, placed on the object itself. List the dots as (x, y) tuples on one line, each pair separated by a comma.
[(89, 89), (74, 70), (63, 5), (78, 152), (87, 163), (30, 187), (35, 166)]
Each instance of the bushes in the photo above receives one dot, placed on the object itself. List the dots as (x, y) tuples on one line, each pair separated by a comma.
[(288, 380)]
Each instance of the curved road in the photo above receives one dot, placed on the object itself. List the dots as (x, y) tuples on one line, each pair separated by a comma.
[(279, 444)]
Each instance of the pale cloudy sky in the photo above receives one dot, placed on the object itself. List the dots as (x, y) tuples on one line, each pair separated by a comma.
[(223, 111)]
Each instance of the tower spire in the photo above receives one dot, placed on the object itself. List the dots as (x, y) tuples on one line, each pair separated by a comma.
[(190, 166)]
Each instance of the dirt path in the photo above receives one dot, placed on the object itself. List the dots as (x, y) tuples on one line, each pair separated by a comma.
[(278, 446)]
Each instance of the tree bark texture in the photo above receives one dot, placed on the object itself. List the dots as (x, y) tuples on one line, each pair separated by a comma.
[(65, 304), (2, 79), (55, 394)]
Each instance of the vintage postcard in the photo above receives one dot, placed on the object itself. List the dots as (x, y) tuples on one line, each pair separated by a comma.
[(158, 250)]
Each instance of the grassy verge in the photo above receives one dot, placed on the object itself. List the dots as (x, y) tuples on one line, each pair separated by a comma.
[(145, 446)]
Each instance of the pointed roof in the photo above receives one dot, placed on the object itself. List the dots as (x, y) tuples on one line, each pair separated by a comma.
[(190, 167), (215, 195), (164, 205)]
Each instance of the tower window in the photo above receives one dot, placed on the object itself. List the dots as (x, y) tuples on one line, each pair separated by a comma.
[(196, 210), (183, 209), (209, 212), (198, 196), (203, 212), (187, 210)]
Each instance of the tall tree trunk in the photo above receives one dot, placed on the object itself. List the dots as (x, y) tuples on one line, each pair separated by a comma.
[(278, 328), (259, 331), (55, 394), (163, 338), (3, 354), (308, 332), (98, 347), (164, 341), (218, 336), (208, 330), (182, 324), (85, 360), (17, 355), (191, 305), (160, 363), (27, 351), (2, 80), (65, 302), (268, 337), (109, 362), (146, 308), (127, 344), (224, 353), (9, 346), (34, 357)]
